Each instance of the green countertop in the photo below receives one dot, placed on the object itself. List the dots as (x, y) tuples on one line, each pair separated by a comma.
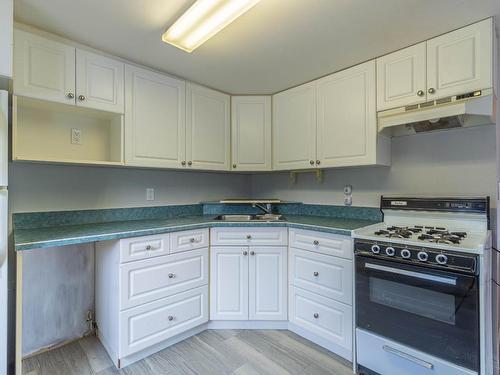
[(36, 238)]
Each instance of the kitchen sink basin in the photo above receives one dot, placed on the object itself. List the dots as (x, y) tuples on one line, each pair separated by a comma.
[(266, 217)]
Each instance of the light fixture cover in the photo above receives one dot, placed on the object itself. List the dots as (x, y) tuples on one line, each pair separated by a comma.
[(203, 20)]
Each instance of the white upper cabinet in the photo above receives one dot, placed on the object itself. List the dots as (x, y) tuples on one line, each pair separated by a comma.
[(294, 128), (99, 82), (6, 37), (154, 119), (43, 69), (251, 133), (460, 61), (347, 118), (401, 77), (451, 64), (208, 128)]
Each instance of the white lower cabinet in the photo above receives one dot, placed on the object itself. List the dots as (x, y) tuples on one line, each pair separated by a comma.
[(248, 282), (321, 289), (150, 293)]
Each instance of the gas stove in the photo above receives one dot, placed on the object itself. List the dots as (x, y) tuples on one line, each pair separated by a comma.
[(455, 224)]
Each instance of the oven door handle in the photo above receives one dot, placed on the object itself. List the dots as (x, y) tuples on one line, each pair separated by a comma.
[(408, 357), (418, 275)]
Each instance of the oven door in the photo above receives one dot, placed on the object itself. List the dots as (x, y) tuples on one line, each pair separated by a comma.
[(430, 310)]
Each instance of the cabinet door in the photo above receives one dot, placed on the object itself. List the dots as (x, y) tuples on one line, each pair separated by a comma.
[(229, 283), (154, 119), (207, 128), (43, 69), (99, 82), (294, 128), (460, 61), (268, 283), (347, 118), (251, 133), (401, 78), (6, 39)]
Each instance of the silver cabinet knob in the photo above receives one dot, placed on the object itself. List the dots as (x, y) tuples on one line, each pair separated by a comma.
[(171, 275), (252, 252), (183, 162), (316, 242), (311, 162), (192, 240), (245, 253), (316, 315), (148, 247), (316, 273), (234, 165), (249, 236), (190, 163), (170, 318), (420, 93), (431, 90), (81, 97), (70, 95), (318, 162)]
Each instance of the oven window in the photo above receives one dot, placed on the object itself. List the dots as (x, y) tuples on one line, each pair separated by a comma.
[(424, 302)]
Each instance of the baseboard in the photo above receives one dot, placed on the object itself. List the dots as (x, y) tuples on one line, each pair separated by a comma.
[(248, 324), (334, 348)]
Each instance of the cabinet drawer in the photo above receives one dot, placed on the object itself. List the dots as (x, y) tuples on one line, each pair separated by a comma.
[(151, 279), (322, 274), (249, 236), (188, 240), (144, 247), (324, 243), (389, 357), (322, 316), (150, 324)]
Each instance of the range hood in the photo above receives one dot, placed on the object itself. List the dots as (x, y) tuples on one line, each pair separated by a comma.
[(460, 111)]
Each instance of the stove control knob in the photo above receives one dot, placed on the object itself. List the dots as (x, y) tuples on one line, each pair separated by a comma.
[(441, 259), (375, 249), (423, 256), (390, 251), (405, 253)]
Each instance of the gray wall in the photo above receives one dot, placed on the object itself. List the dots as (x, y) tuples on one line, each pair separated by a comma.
[(454, 162)]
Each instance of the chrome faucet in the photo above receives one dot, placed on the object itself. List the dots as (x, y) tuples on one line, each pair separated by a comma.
[(267, 208)]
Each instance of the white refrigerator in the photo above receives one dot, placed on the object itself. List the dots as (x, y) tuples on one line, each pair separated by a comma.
[(4, 142)]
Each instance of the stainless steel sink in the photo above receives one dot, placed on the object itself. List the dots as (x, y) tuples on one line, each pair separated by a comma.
[(266, 217)]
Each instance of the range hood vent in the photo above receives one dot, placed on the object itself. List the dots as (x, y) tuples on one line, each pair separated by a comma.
[(460, 111)]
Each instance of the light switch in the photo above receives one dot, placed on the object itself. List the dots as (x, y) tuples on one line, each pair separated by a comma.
[(150, 194)]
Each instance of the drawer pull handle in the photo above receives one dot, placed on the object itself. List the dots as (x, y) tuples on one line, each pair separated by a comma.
[(170, 318), (316, 273), (316, 242), (171, 275), (316, 315), (245, 253), (192, 240), (249, 236), (252, 252), (408, 357), (148, 247)]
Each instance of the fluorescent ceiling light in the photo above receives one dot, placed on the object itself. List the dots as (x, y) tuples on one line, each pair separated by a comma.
[(203, 20)]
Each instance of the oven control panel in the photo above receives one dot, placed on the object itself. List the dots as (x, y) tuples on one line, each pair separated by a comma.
[(417, 255)]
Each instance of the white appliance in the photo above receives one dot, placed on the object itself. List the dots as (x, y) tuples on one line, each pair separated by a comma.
[(4, 131), (423, 288), (458, 111)]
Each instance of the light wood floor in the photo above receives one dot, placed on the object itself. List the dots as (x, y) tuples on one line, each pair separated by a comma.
[(237, 352)]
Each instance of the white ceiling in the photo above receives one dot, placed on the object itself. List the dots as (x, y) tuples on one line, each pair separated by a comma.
[(276, 45)]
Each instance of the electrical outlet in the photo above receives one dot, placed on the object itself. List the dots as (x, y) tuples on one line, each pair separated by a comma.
[(150, 194), (348, 190), (76, 136), (348, 200)]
